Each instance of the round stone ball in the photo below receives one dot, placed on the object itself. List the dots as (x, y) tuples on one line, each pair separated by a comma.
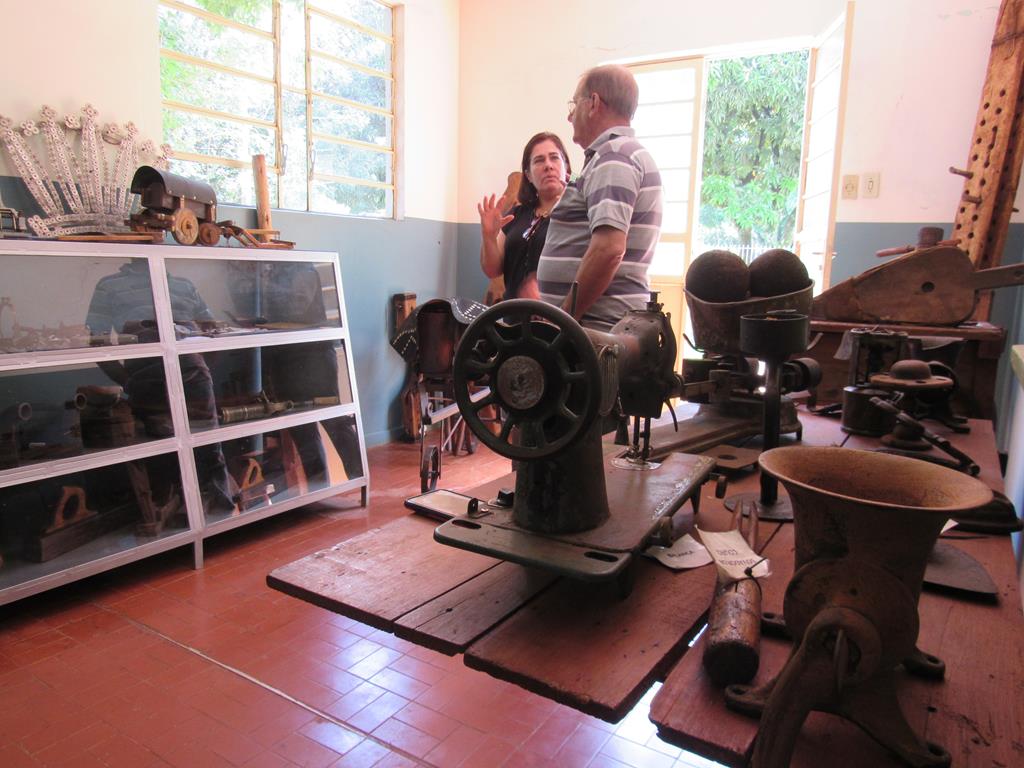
[(718, 276), (776, 272)]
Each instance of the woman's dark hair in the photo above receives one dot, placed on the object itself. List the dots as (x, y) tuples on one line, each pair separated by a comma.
[(527, 192)]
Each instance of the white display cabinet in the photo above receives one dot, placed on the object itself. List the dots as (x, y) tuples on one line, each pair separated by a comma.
[(153, 396)]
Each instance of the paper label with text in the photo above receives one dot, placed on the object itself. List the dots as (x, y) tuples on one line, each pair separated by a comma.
[(685, 552), (733, 555)]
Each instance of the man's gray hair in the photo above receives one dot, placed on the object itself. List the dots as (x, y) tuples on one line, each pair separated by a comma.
[(616, 86)]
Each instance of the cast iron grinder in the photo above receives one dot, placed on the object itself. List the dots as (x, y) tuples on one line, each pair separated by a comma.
[(864, 525)]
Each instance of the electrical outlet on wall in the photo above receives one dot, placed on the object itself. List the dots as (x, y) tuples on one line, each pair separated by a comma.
[(871, 183), (850, 187)]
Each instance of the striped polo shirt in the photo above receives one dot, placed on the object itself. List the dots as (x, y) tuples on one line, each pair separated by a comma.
[(620, 187)]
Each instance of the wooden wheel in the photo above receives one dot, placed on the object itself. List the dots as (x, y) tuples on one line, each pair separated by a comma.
[(209, 233), (185, 226)]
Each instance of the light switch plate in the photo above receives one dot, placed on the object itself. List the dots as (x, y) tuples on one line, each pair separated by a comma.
[(871, 184), (850, 182)]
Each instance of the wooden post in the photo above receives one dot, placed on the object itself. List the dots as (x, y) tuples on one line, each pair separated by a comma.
[(259, 177)]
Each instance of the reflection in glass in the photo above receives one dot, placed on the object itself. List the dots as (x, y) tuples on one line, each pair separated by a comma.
[(268, 381), (116, 301), (45, 300), (76, 409), (287, 463), (53, 524), (258, 296)]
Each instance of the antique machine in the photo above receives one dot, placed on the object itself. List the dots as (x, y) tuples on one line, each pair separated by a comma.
[(553, 382), (865, 523)]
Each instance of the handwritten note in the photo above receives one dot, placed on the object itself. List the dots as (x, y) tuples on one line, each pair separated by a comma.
[(732, 555)]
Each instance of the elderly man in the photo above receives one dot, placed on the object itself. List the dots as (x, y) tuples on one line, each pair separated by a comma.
[(603, 232)]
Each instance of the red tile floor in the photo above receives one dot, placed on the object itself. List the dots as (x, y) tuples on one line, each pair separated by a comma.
[(157, 664)]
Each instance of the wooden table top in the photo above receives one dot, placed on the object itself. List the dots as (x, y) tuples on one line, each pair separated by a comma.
[(583, 645)]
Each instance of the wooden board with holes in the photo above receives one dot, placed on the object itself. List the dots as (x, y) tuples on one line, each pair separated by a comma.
[(993, 167)]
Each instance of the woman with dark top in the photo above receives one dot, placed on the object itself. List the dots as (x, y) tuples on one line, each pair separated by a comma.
[(512, 243)]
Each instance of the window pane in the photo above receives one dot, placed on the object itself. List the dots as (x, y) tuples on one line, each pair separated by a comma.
[(341, 160), (233, 185), (293, 44), (674, 217), (369, 14), (293, 183), (667, 85), (202, 87), (347, 83), (255, 13), (669, 259), (670, 151), (660, 119), (185, 33), (350, 122), (204, 135), (348, 43), (675, 185), (333, 197)]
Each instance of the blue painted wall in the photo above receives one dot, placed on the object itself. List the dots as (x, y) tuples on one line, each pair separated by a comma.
[(378, 259), (856, 244), (469, 278)]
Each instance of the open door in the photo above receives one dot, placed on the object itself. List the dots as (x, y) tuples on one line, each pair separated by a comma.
[(819, 178)]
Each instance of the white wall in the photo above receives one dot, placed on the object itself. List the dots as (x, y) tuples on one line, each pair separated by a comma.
[(522, 60), (481, 77), (67, 53), (916, 72)]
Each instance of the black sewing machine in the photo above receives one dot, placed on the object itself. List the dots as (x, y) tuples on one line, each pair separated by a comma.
[(555, 385)]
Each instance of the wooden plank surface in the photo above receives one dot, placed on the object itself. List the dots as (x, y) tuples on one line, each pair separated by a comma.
[(976, 714), (584, 645), (382, 574), (453, 620)]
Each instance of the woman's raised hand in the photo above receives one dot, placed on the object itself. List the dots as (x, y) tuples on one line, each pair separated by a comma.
[(491, 220)]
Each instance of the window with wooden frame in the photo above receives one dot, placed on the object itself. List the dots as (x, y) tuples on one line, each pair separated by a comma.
[(310, 85)]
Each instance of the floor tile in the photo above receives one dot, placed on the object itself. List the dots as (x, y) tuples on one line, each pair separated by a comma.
[(331, 735)]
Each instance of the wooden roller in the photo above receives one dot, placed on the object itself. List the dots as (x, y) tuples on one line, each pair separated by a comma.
[(733, 637)]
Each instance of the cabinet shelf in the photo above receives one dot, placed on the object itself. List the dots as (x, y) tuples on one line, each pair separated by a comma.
[(157, 440)]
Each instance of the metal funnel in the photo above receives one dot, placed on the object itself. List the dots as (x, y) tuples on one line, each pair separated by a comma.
[(884, 509)]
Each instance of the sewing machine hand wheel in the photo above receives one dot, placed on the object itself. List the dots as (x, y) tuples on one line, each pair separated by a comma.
[(543, 373)]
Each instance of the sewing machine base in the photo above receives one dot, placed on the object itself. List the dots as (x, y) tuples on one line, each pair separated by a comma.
[(640, 503)]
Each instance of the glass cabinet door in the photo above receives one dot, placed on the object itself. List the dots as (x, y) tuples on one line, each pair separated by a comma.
[(260, 382), (224, 297), (239, 476), (71, 410), (57, 523), (70, 302)]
